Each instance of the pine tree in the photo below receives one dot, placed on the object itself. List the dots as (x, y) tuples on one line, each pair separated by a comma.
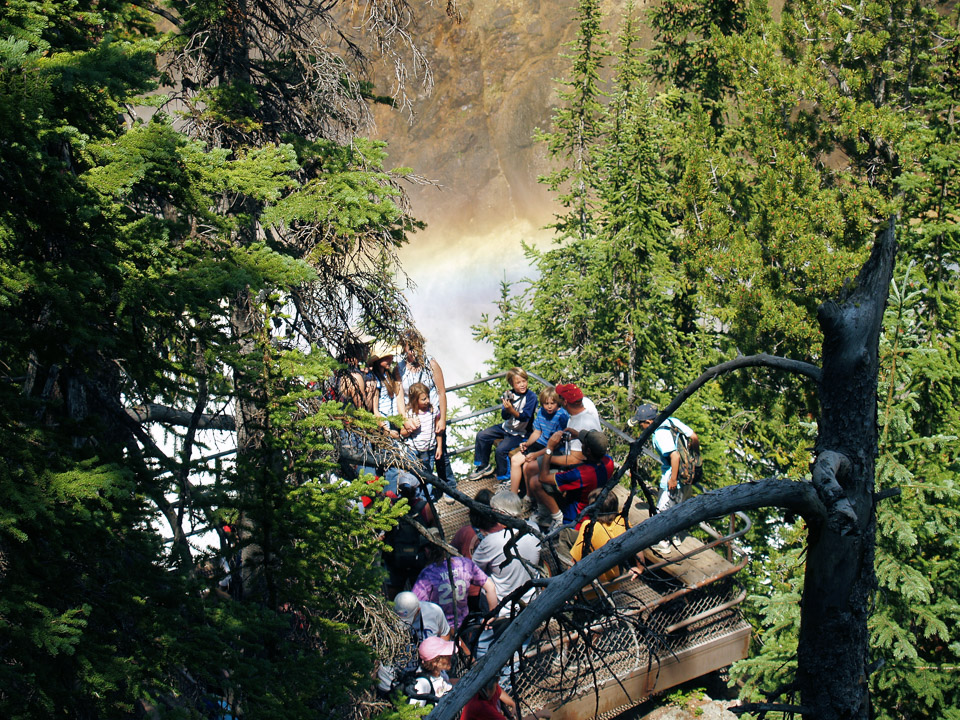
[(577, 126)]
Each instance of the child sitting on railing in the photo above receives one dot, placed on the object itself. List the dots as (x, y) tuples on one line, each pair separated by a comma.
[(550, 418), (519, 406)]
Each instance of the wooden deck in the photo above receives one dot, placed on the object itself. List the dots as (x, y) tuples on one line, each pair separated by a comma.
[(675, 623)]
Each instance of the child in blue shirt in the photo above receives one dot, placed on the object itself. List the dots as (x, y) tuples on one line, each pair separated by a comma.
[(550, 418)]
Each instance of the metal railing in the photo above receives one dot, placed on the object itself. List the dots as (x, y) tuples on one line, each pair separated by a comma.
[(459, 419)]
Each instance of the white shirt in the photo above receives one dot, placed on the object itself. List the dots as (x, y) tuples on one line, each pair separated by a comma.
[(664, 445), (427, 685), (589, 419), (490, 555), (410, 375)]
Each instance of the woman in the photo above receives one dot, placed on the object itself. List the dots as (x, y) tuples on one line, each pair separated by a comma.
[(384, 383), (418, 367), (383, 391)]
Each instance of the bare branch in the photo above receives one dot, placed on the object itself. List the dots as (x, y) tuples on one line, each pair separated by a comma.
[(796, 496), (152, 412), (156, 10), (744, 361)]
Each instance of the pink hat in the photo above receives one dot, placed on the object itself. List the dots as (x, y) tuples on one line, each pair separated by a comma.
[(570, 392), (434, 647)]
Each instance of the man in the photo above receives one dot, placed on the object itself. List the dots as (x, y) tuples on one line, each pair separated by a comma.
[(664, 444), (574, 484), (508, 574), (423, 619), (491, 556), (566, 453)]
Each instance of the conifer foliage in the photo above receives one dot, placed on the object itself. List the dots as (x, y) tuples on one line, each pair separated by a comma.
[(723, 211), (171, 281)]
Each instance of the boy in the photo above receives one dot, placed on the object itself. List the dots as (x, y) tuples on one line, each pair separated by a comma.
[(549, 419), (519, 406)]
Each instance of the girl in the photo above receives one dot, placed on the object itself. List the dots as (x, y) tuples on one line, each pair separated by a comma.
[(385, 381), (421, 434), (436, 660), (418, 367)]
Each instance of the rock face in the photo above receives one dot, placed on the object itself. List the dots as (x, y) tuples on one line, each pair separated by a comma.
[(494, 78)]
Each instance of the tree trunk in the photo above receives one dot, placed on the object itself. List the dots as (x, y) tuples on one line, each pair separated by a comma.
[(840, 578)]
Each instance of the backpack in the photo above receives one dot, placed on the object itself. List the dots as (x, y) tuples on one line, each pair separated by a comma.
[(407, 543), (407, 684), (691, 464)]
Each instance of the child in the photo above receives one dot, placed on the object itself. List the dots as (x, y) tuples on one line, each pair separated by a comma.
[(436, 660), (489, 704), (550, 418), (519, 406), (420, 433)]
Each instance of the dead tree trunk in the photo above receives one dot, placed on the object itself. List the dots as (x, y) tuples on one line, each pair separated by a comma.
[(833, 651), (838, 507)]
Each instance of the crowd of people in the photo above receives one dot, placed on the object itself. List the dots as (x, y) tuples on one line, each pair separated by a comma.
[(550, 459)]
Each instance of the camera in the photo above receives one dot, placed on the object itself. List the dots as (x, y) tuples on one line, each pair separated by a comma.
[(566, 435)]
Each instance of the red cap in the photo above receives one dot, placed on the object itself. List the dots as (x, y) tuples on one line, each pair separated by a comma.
[(570, 392)]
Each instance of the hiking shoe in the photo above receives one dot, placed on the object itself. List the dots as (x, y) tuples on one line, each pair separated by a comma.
[(481, 472)]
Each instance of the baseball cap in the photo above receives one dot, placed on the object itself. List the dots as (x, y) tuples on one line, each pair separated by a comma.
[(407, 606), (570, 392), (434, 647), (594, 443), (645, 412), (407, 480)]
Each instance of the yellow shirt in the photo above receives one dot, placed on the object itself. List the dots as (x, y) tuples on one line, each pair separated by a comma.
[(602, 533)]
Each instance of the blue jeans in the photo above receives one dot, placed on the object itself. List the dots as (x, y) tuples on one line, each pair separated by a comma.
[(444, 468), (391, 475), (483, 443)]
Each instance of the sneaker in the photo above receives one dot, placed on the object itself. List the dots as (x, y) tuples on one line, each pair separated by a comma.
[(481, 472), (663, 547), (503, 486), (449, 499)]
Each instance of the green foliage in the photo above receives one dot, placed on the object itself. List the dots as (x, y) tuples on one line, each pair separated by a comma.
[(577, 126), (139, 268), (916, 554), (713, 220)]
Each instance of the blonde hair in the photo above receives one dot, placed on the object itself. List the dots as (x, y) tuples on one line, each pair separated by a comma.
[(412, 339), (415, 391), (549, 395), (514, 373)]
